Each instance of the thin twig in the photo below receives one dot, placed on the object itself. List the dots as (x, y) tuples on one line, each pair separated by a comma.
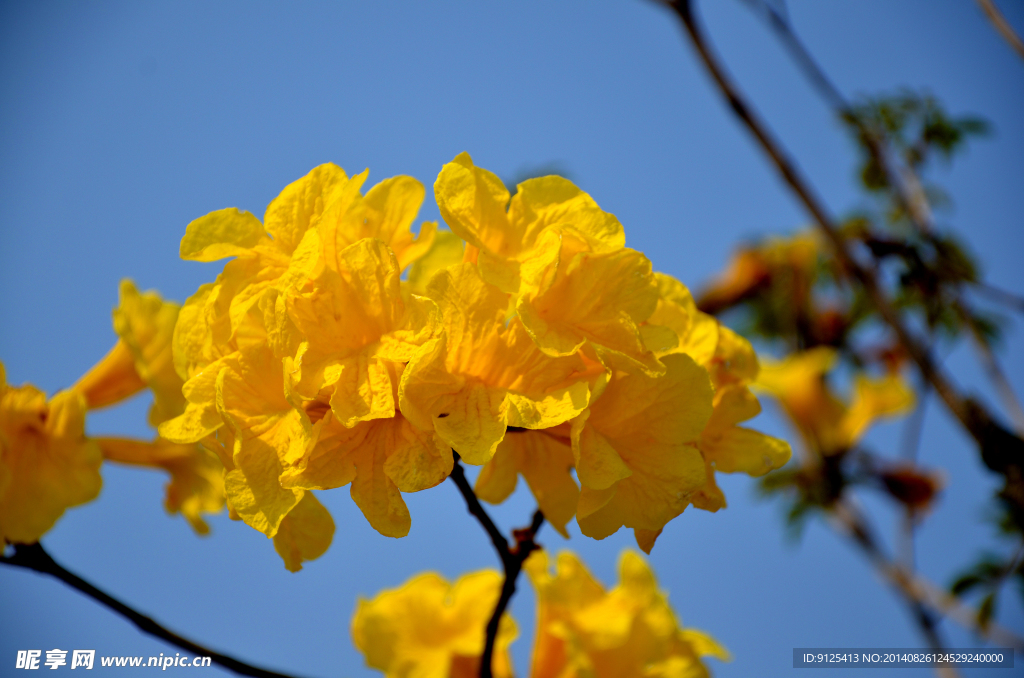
[(913, 587), (1003, 26), (1000, 448), (34, 557), (512, 559)]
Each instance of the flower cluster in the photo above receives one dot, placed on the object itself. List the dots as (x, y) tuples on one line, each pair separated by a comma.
[(338, 348), (48, 463), (430, 628)]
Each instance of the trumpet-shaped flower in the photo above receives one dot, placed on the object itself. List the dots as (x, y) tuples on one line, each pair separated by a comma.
[(46, 462), (482, 375), (380, 458), (827, 424), (356, 325), (141, 358), (196, 485), (636, 449), (732, 364), (586, 631), (429, 628)]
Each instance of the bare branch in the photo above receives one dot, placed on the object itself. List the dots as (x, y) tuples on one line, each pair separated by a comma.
[(915, 588), (1001, 450), (34, 557), (1003, 26), (512, 559)]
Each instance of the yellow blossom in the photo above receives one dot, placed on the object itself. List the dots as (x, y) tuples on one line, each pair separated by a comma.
[(482, 375), (429, 628), (636, 449), (46, 462), (586, 631), (732, 365), (473, 202), (827, 424), (141, 358), (196, 485)]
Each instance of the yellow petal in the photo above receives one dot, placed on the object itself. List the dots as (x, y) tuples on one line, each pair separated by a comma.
[(741, 450), (472, 202), (601, 298), (224, 233), (552, 201), (546, 462), (653, 425), (305, 533), (430, 629), (875, 398), (446, 250), (301, 204)]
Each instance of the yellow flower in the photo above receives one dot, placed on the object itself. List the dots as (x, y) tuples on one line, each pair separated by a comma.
[(585, 631), (636, 449), (428, 628), (473, 202), (732, 365), (196, 485), (141, 358), (482, 375), (827, 424), (544, 459), (46, 463)]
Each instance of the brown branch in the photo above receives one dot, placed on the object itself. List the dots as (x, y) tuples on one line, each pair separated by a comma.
[(1001, 450), (512, 559), (1003, 26), (34, 557), (995, 373), (914, 588)]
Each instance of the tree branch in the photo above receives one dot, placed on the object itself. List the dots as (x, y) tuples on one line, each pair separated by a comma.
[(1003, 26), (512, 559), (34, 557), (1001, 450), (913, 588)]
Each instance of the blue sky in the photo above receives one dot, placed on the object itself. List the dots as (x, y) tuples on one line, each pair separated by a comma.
[(122, 122)]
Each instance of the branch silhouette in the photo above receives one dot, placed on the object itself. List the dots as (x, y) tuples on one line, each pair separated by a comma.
[(512, 558), (34, 557)]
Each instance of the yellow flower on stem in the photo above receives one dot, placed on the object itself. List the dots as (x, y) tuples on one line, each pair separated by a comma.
[(46, 462), (428, 628), (586, 631)]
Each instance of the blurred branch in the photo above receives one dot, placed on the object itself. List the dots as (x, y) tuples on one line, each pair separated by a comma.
[(992, 367), (34, 557), (512, 558), (1002, 25), (918, 592), (1001, 450), (1015, 301), (906, 183)]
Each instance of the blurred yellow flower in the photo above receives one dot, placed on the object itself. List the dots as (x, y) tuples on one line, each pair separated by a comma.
[(429, 628), (827, 424), (585, 631), (46, 462)]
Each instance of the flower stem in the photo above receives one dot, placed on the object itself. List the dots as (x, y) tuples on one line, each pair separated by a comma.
[(512, 558)]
